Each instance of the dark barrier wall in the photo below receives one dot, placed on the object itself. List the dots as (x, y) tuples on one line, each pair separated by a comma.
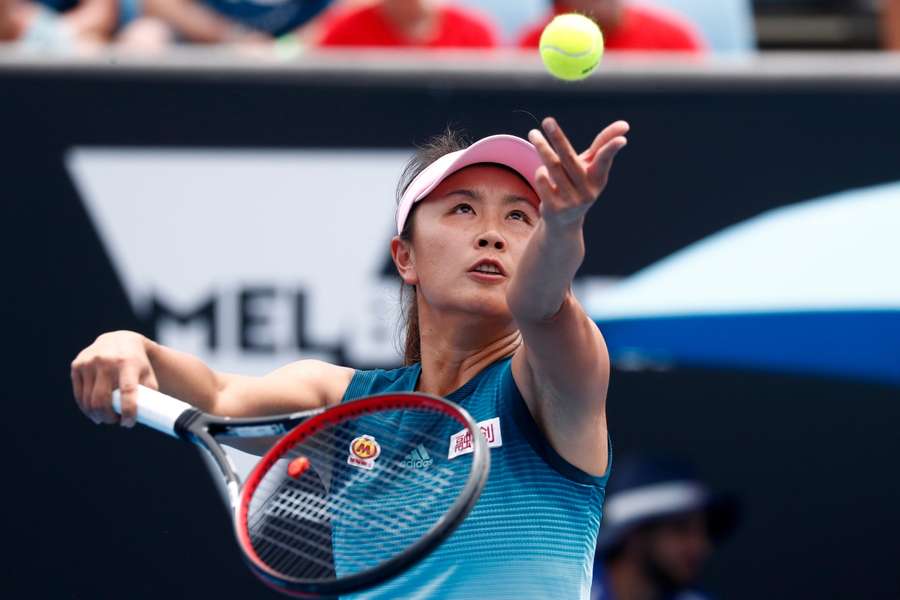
[(101, 513)]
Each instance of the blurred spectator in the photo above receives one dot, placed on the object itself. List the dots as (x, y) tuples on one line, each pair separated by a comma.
[(726, 26), (626, 26), (253, 22), (509, 17), (57, 24), (408, 23), (659, 526), (890, 24)]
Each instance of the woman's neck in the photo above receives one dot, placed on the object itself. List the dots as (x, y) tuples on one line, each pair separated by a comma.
[(456, 349)]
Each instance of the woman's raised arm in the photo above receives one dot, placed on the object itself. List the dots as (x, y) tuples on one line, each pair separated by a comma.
[(563, 366)]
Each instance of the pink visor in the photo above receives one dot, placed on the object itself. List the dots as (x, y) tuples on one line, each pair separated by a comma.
[(508, 150)]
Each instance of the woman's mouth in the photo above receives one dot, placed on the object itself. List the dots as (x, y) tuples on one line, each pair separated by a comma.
[(488, 271)]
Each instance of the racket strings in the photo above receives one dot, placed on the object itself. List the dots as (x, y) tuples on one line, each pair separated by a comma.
[(321, 456), (282, 514), (300, 527), (286, 503), (288, 558), (322, 449)]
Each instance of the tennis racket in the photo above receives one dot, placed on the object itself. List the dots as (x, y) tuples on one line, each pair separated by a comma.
[(347, 497)]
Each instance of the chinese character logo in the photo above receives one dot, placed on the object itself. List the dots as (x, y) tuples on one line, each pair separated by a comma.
[(461, 441)]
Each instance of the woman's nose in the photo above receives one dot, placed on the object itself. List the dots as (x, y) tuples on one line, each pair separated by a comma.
[(490, 239)]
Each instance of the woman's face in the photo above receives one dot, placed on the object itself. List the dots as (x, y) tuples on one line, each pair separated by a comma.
[(468, 238)]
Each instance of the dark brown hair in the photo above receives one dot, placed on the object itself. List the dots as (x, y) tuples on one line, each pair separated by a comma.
[(445, 143)]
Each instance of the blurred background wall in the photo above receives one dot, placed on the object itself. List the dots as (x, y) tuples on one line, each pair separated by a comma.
[(217, 177), (244, 213)]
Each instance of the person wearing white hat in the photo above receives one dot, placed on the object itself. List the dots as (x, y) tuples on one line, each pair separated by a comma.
[(489, 237), (660, 526)]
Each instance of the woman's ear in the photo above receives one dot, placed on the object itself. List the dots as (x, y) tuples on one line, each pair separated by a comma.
[(402, 253)]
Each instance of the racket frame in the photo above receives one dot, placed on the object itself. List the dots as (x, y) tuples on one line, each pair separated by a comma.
[(428, 542), (201, 429)]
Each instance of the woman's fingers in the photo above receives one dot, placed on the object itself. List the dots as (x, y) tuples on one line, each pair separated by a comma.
[(75, 376), (101, 397), (599, 169), (116, 360), (619, 128), (543, 184), (86, 390), (571, 162), (129, 376), (558, 177), (87, 376), (577, 179), (82, 383)]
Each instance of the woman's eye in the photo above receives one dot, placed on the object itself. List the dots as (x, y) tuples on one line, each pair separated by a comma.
[(518, 215), (463, 208)]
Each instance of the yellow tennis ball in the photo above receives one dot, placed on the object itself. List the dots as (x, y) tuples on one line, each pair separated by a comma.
[(571, 46)]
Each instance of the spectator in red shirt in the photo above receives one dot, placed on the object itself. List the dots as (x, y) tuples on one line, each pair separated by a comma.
[(407, 23), (890, 24), (626, 27)]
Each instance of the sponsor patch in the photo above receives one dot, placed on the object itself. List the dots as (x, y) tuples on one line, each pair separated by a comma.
[(363, 452), (461, 441)]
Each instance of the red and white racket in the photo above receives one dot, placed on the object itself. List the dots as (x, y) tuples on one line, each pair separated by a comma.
[(347, 497)]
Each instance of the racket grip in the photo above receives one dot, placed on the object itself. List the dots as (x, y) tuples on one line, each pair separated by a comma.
[(155, 409)]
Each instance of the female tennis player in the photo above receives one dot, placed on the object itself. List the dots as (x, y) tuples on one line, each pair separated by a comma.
[(489, 237)]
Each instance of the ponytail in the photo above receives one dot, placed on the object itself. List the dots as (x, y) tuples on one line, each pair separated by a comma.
[(436, 147)]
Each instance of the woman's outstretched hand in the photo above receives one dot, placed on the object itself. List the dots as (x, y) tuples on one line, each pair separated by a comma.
[(568, 183)]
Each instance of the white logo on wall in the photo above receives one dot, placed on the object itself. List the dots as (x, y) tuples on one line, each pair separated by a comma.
[(251, 259)]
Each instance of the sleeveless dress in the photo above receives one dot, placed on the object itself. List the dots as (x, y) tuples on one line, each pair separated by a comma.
[(532, 532)]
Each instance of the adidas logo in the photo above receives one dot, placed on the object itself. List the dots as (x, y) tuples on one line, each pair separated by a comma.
[(418, 458)]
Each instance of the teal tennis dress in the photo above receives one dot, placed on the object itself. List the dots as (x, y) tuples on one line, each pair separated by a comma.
[(533, 531)]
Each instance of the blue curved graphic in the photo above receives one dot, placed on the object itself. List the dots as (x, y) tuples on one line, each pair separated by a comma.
[(852, 344), (812, 288)]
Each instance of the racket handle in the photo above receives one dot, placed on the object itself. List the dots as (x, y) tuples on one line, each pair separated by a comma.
[(155, 409)]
